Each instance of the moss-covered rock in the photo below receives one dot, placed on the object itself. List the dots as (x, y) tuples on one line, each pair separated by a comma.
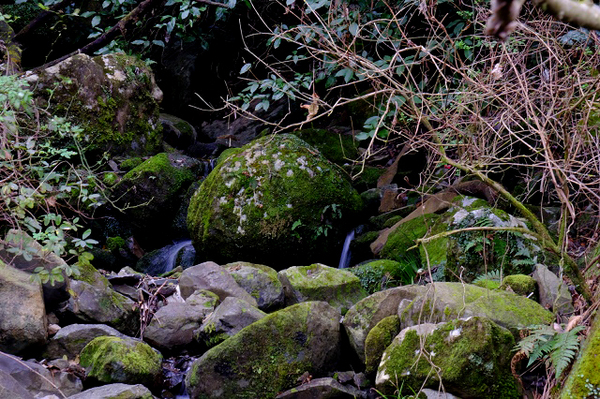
[(404, 237), (277, 202), (114, 359), (365, 315), (269, 355), (378, 339), (317, 282), (520, 284), (152, 191), (177, 132), (448, 301), (378, 275), (260, 281), (584, 379), (113, 98), (471, 357)]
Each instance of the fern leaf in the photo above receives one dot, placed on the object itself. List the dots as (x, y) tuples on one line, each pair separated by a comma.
[(564, 349)]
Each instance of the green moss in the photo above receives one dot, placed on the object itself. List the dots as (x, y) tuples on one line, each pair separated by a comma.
[(487, 284), (405, 235), (112, 359), (381, 274), (131, 163), (335, 147), (379, 338), (115, 243), (89, 274), (227, 153), (520, 284)]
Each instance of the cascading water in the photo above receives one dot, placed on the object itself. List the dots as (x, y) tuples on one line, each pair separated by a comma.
[(172, 252), (346, 254)]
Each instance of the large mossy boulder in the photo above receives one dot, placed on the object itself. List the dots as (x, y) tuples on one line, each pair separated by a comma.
[(260, 281), (317, 282), (151, 192), (470, 357), (269, 355), (23, 323), (127, 360), (364, 315), (378, 275), (277, 202), (112, 97), (448, 301), (70, 340)]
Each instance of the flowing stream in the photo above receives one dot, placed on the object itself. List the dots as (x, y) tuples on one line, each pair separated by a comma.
[(346, 254), (172, 252)]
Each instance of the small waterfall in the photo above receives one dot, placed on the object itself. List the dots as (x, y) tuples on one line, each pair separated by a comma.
[(345, 257), (172, 252), (209, 166)]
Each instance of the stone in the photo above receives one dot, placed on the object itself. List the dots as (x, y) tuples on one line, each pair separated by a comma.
[(38, 380), (112, 97), (71, 339), (554, 293), (177, 132), (23, 323), (322, 388), (159, 183), (365, 315), (173, 325), (54, 292), (447, 301), (471, 357), (115, 391), (127, 360), (212, 277), (317, 282), (277, 202), (96, 305), (378, 275), (11, 388), (228, 319), (260, 281), (268, 356)]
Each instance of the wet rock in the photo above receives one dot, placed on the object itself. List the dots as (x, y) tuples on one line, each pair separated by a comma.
[(317, 282), (379, 338), (23, 323), (301, 338), (212, 277), (260, 281), (228, 319)]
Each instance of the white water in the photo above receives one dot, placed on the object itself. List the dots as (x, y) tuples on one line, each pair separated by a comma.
[(172, 252), (345, 257)]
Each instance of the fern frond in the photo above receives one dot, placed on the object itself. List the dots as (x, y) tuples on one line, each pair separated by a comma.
[(564, 349), (493, 275)]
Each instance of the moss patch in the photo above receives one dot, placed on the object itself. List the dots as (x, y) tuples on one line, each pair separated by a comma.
[(379, 338)]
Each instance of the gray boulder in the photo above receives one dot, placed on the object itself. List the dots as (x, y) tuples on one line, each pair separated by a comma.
[(101, 305), (228, 319), (317, 282), (115, 391), (212, 277), (70, 340), (365, 315), (260, 281), (23, 323), (37, 379), (173, 325), (11, 388), (553, 292), (268, 356)]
